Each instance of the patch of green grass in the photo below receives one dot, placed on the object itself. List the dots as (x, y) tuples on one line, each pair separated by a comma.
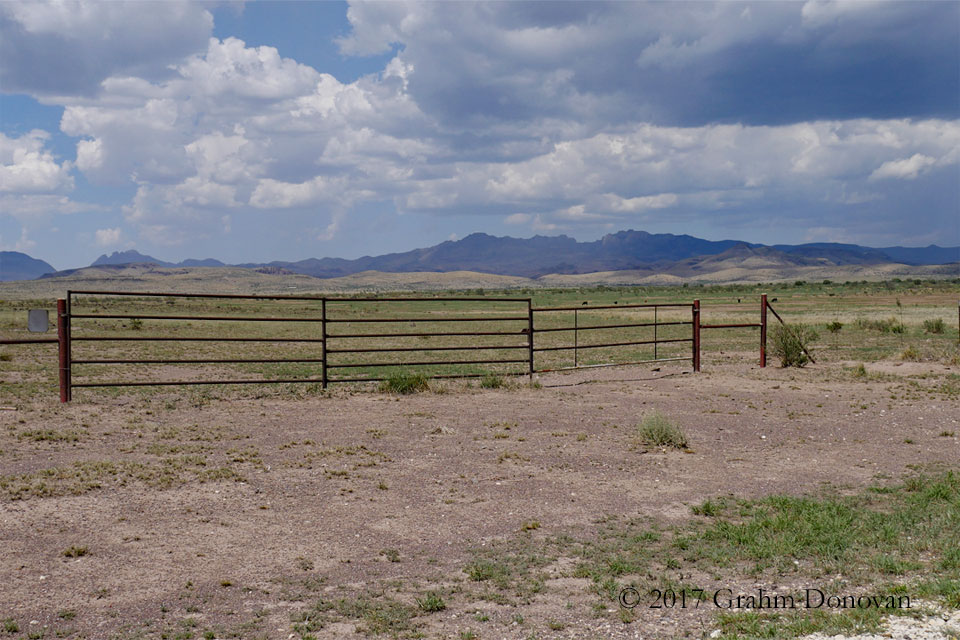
[(658, 431), (405, 383), (84, 476), (381, 614), (888, 534), (10, 625), (48, 435), (741, 625)]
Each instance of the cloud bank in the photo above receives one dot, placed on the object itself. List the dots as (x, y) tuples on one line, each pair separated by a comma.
[(580, 117)]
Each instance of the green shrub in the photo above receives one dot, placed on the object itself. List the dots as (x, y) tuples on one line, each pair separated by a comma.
[(933, 326), (834, 327), (405, 383), (789, 344), (657, 430)]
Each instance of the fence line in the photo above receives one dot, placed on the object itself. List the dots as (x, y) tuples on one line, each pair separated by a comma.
[(339, 353)]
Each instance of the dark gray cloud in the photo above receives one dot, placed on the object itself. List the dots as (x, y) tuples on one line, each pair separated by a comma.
[(69, 48), (673, 63)]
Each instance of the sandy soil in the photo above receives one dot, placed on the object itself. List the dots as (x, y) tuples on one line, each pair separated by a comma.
[(360, 492)]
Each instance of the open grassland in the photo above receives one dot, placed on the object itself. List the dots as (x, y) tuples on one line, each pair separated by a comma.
[(490, 508)]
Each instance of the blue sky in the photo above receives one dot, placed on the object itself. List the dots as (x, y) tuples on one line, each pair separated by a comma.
[(285, 130)]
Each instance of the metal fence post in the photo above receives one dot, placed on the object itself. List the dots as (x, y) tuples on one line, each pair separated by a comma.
[(63, 320), (530, 334), (323, 334), (576, 337), (655, 333), (763, 330), (696, 335)]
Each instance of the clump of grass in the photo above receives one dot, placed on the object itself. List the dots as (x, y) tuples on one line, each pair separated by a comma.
[(791, 344), (910, 353), (405, 383), (492, 381), (834, 327), (657, 430), (860, 371), (887, 325), (933, 326), (74, 551), (431, 602)]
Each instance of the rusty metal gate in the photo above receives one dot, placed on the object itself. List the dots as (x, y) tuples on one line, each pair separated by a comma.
[(116, 339)]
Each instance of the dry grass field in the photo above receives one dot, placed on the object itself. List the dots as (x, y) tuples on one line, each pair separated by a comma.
[(494, 508)]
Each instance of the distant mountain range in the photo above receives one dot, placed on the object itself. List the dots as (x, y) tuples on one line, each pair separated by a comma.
[(543, 255), (19, 266)]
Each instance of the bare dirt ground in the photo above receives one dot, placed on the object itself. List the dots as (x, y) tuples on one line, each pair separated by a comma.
[(181, 515)]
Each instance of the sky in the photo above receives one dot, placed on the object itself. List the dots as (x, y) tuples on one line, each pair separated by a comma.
[(260, 131)]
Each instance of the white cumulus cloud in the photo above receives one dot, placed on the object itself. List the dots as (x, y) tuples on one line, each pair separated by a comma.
[(26, 166)]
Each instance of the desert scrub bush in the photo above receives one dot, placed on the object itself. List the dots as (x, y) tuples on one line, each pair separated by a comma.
[(834, 327), (405, 383), (933, 326), (657, 430), (790, 344)]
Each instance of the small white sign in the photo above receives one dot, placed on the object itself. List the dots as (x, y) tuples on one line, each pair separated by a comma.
[(38, 321)]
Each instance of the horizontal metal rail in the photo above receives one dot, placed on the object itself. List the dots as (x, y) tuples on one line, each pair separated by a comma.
[(610, 344), (437, 377), (754, 325), (460, 299), (197, 361), (168, 383), (31, 341), (614, 306), (612, 326), (426, 335), (229, 296), (421, 364), (115, 316), (170, 339), (485, 319), (612, 364), (457, 348)]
